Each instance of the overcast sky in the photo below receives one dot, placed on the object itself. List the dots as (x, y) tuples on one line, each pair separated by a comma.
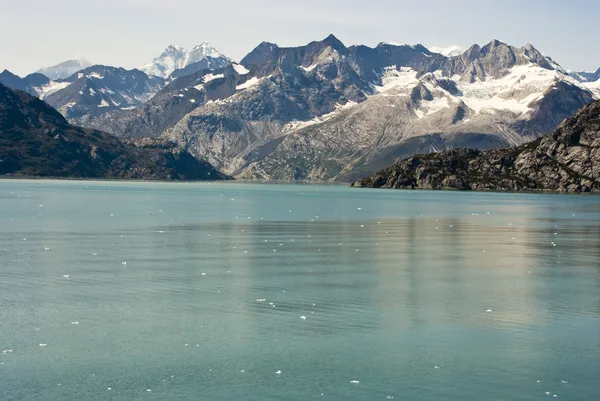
[(129, 33)]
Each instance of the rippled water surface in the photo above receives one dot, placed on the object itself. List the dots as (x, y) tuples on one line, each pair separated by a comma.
[(135, 291)]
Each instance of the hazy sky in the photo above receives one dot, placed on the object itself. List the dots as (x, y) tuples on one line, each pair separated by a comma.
[(129, 33)]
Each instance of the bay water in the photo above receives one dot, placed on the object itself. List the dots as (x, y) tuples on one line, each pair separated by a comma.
[(233, 291)]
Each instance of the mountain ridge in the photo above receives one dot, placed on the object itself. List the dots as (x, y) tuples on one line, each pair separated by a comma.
[(36, 140), (568, 160), (326, 111)]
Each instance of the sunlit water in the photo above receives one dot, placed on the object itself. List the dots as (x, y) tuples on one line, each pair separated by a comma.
[(136, 291)]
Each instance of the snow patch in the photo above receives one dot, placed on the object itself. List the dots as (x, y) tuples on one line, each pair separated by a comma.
[(392, 78), (248, 84), (211, 77), (309, 69), (240, 69), (50, 88), (103, 103), (450, 51), (513, 92), (296, 125), (95, 75)]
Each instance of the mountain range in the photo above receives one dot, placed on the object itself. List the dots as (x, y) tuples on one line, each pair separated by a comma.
[(323, 111)]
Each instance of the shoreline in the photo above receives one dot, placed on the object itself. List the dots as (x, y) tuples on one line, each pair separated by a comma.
[(280, 182)]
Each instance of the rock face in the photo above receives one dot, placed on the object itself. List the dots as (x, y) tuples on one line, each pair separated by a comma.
[(566, 161), (36, 140)]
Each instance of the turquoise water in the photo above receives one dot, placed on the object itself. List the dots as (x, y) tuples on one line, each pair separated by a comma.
[(156, 291)]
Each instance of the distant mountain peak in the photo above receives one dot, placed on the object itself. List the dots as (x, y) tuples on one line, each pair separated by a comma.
[(333, 42), (449, 51), (65, 69), (175, 58)]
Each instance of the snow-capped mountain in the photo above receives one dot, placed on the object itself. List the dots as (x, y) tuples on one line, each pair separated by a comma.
[(96, 90), (174, 58), (450, 51), (325, 111), (65, 69)]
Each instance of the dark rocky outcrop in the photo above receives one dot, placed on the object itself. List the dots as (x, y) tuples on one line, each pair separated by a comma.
[(36, 140), (566, 161)]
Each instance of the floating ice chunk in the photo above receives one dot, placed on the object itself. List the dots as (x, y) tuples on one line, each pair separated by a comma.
[(278, 372), (46, 248), (43, 345), (436, 367), (124, 263), (109, 388), (66, 276), (564, 381), (203, 274), (354, 381), (488, 310), (74, 323), (149, 390), (303, 317)]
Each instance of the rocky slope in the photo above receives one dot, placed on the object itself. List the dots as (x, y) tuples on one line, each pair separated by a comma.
[(566, 161), (36, 140), (172, 103)]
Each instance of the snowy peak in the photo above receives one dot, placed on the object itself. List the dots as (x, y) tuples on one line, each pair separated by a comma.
[(203, 50), (65, 69), (450, 51), (177, 58)]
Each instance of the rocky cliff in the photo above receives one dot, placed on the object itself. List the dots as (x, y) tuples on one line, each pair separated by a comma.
[(566, 161)]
